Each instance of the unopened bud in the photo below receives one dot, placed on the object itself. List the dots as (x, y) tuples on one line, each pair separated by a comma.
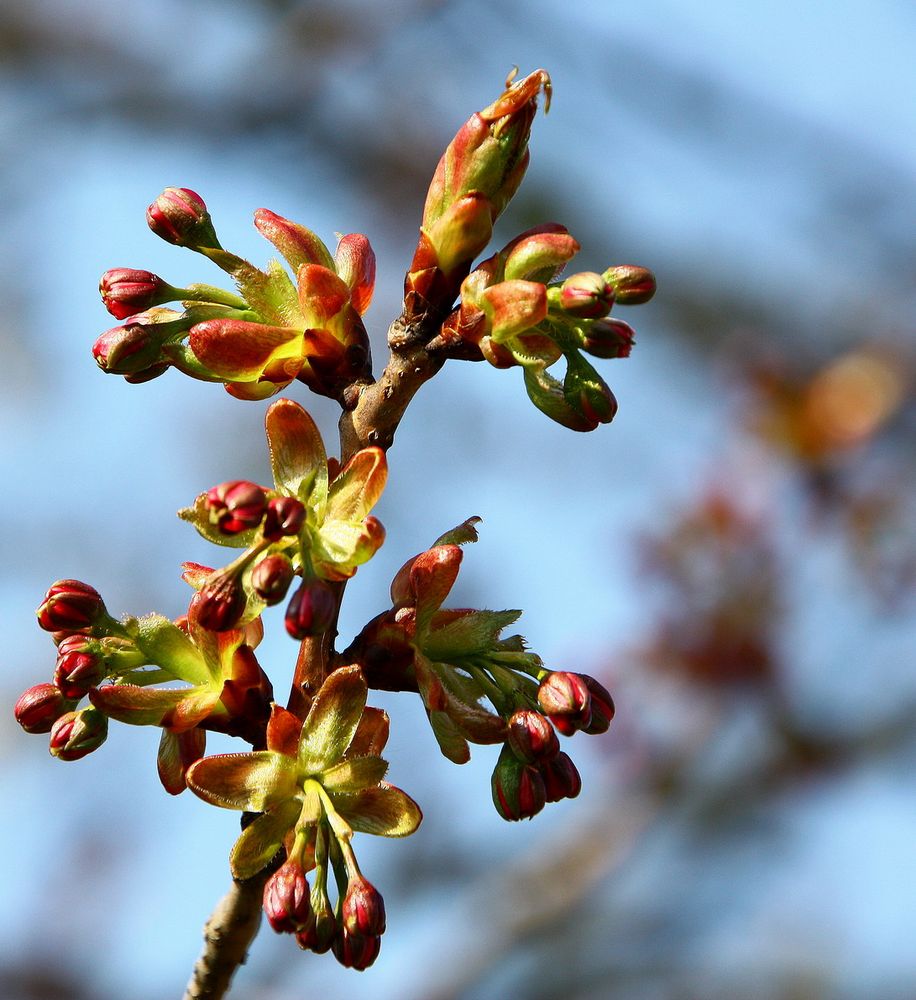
[(564, 697), (70, 605), (354, 951), (311, 610), (40, 707), (286, 899), (586, 295), (77, 734), (531, 736), (602, 705), (319, 935), (127, 350), (608, 338), (219, 603), (632, 285), (271, 578), (126, 291), (561, 778), (285, 516), (180, 216), (587, 392), (236, 506), (518, 788), (363, 910), (78, 667)]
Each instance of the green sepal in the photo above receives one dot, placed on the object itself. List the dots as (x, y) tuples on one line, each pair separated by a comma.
[(259, 289), (260, 841), (383, 810), (246, 781), (164, 644), (547, 395), (473, 633), (450, 739), (333, 719)]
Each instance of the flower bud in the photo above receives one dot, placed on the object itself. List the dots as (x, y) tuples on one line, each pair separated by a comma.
[(236, 506), (271, 578), (219, 603), (40, 707), (608, 338), (70, 605), (354, 951), (287, 905), (587, 392), (531, 736), (319, 935), (561, 778), (311, 610), (77, 734), (602, 705), (363, 910), (126, 291), (78, 667), (564, 697), (180, 216), (586, 295), (632, 285), (126, 350), (518, 788), (285, 516)]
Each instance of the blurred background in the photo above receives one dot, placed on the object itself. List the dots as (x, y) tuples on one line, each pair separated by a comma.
[(735, 557)]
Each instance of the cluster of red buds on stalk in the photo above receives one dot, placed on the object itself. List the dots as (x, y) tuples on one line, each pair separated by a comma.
[(313, 776)]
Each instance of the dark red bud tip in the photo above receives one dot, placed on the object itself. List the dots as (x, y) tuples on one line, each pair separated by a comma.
[(126, 291), (219, 604), (77, 734), (531, 736), (286, 900), (561, 778), (78, 668), (632, 285), (564, 697), (354, 951), (271, 578), (180, 216), (70, 605), (609, 338), (602, 705), (311, 610), (40, 707), (363, 910), (236, 506), (586, 295), (285, 516), (126, 350), (518, 788)]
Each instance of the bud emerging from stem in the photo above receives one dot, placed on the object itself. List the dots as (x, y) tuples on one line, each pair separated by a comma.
[(271, 578), (70, 605), (126, 291), (518, 788), (564, 697), (363, 910), (219, 603), (77, 734), (311, 610), (531, 736), (285, 516), (78, 668), (632, 285), (180, 216), (561, 778), (236, 506), (40, 707), (286, 899)]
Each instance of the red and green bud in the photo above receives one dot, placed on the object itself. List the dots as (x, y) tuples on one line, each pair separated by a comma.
[(285, 516), (297, 244), (587, 392), (79, 667), (561, 778), (128, 350), (565, 699), (354, 951), (518, 788), (236, 506), (586, 295), (126, 291), (287, 903), (319, 935), (632, 285), (40, 707), (180, 216), (602, 706), (531, 737), (355, 263), (363, 910), (77, 734), (220, 602), (312, 609), (539, 254), (608, 338), (70, 605), (271, 578)]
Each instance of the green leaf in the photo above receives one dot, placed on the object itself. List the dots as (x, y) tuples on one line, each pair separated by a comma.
[(165, 645), (199, 516), (473, 633), (333, 719), (261, 840), (297, 454), (461, 534), (358, 486), (250, 781), (354, 773), (450, 739), (384, 810)]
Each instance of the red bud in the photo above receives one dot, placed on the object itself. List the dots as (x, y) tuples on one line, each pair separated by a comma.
[(219, 603), (180, 216), (602, 706), (271, 578), (126, 291), (236, 506), (77, 734), (78, 669), (285, 516), (354, 951), (70, 605), (561, 778), (40, 707), (311, 610), (565, 699), (632, 285), (286, 900), (586, 295), (531, 736), (363, 910)]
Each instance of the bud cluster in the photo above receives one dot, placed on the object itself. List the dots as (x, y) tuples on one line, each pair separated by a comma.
[(277, 329)]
